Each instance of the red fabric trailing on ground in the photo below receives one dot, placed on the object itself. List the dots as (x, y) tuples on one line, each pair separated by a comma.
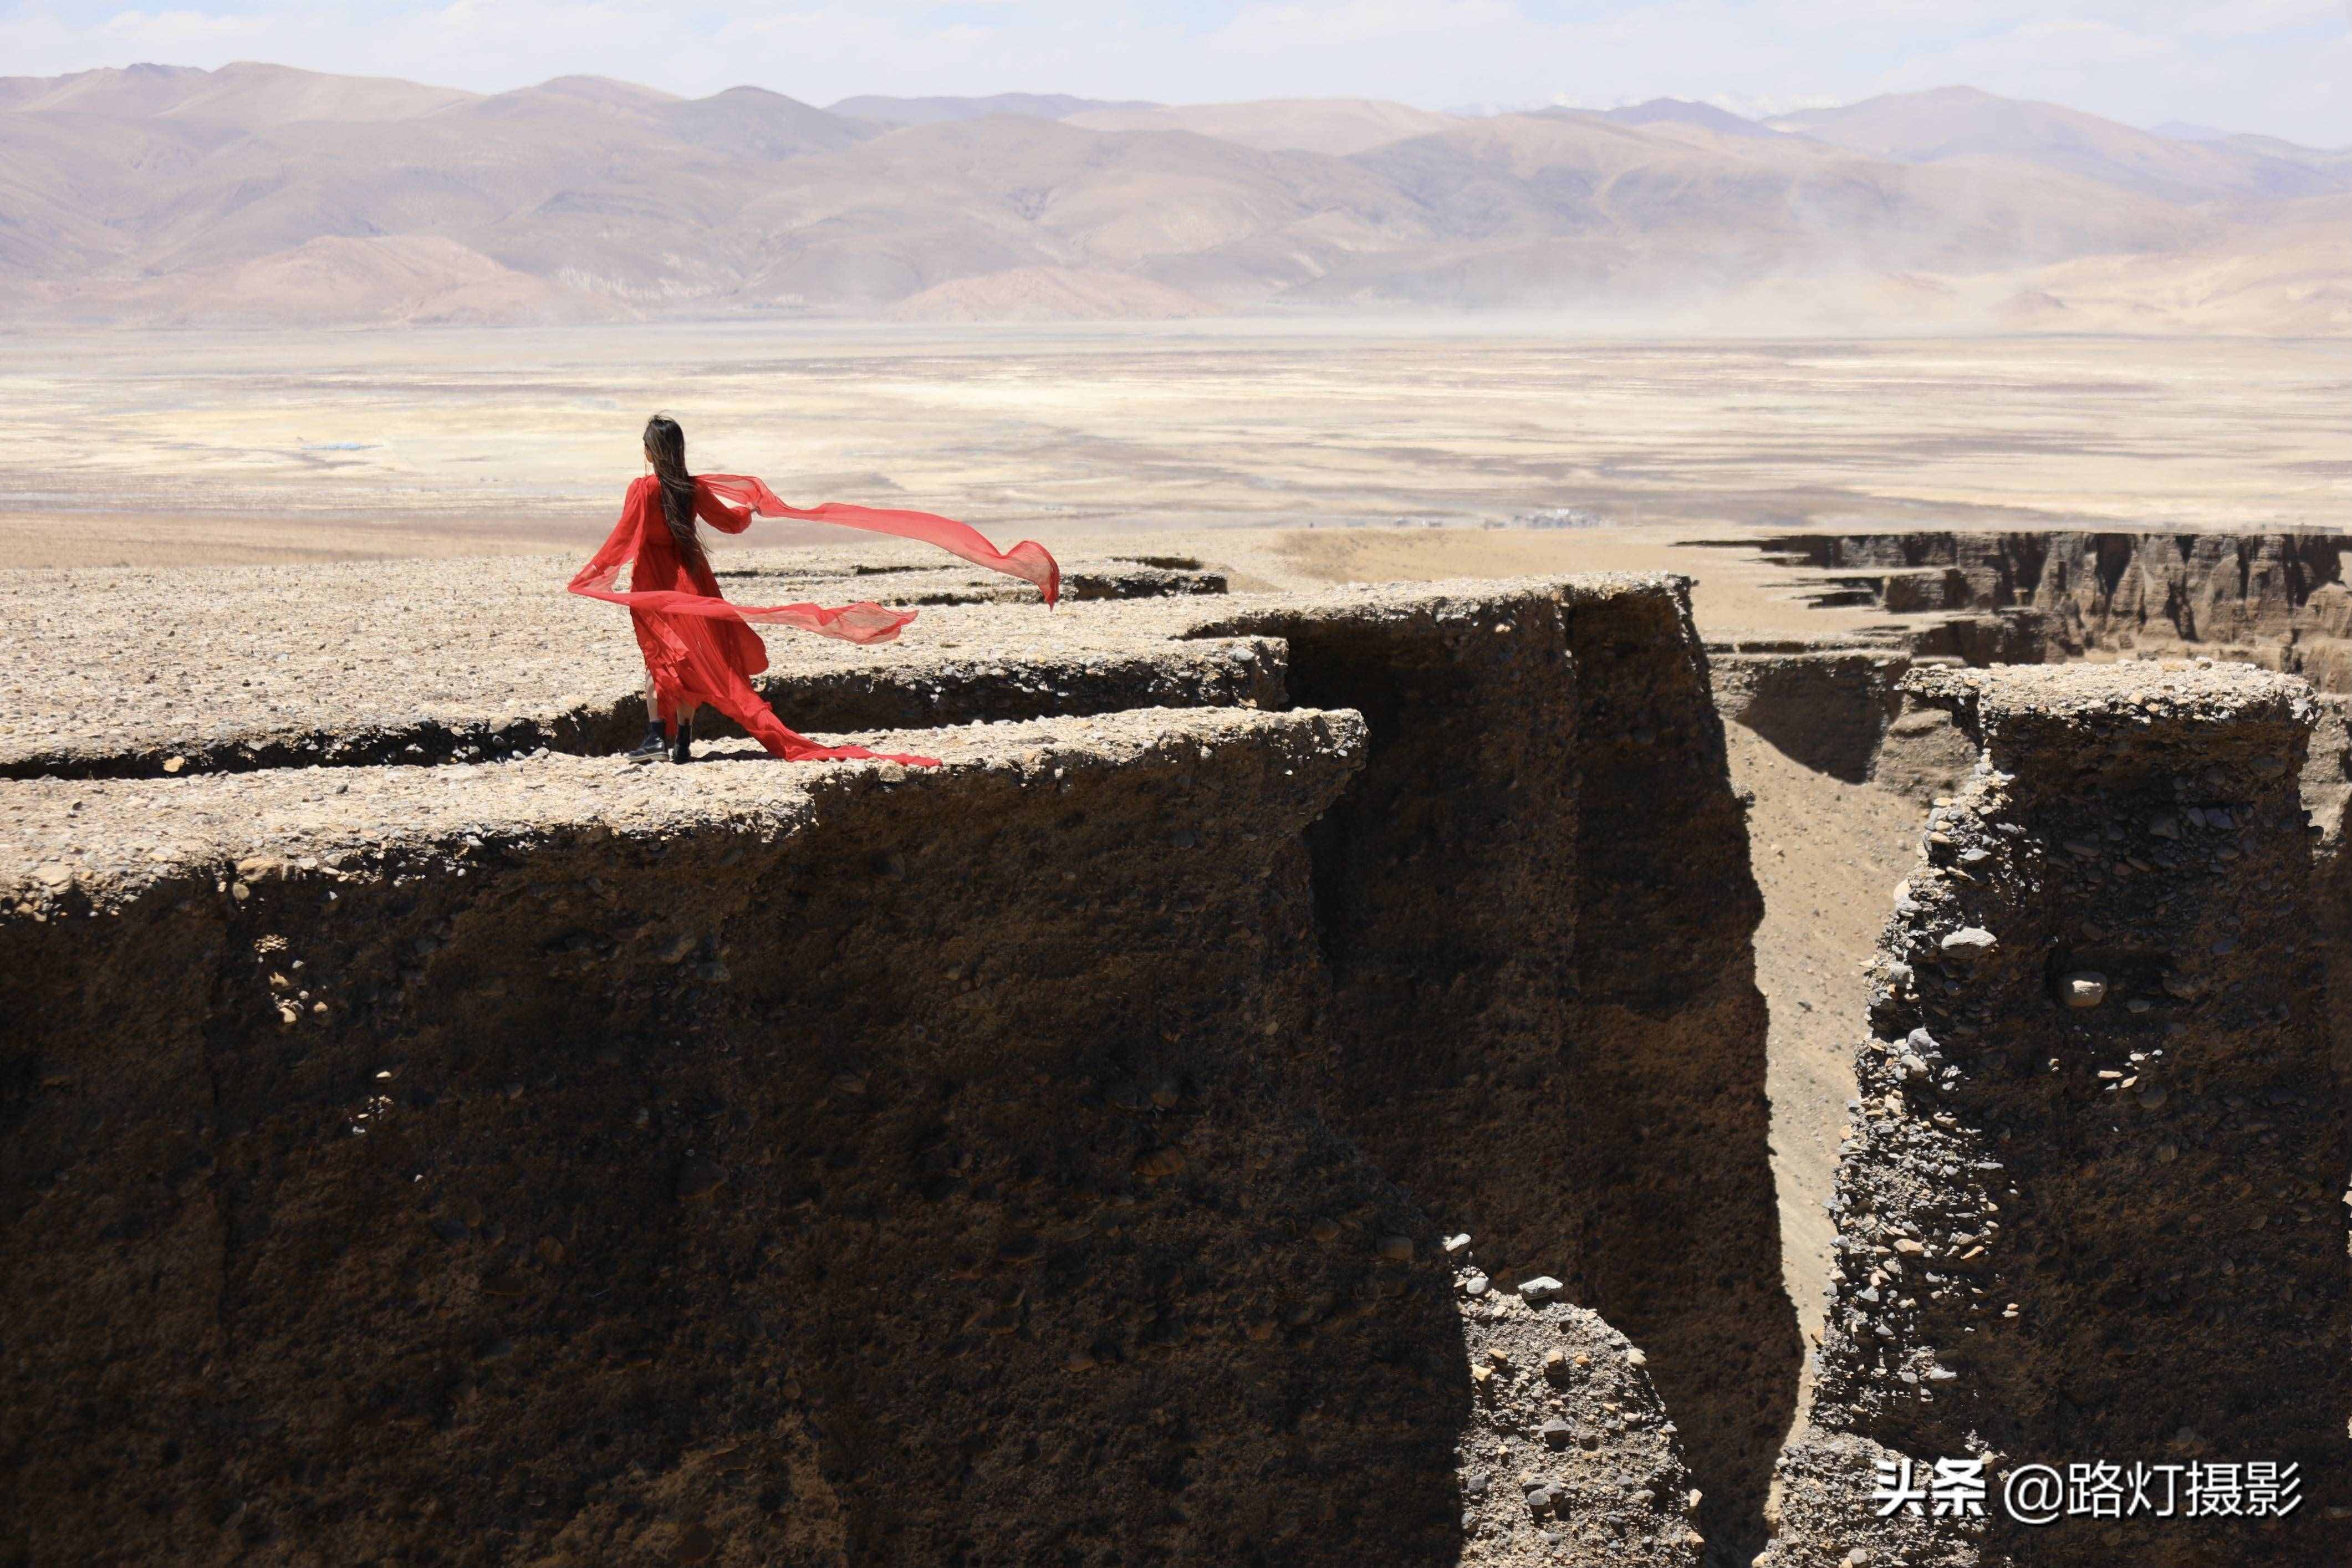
[(699, 648)]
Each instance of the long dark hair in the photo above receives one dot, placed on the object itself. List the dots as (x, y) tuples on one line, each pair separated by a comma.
[(666, 444)]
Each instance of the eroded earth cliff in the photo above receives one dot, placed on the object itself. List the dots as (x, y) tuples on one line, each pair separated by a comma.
[(1289, 1088), (522, 1158)]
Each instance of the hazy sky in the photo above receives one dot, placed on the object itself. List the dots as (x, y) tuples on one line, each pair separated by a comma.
[(2277, 66)]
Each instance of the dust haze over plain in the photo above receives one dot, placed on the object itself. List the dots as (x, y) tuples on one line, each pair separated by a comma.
[(263, 195)]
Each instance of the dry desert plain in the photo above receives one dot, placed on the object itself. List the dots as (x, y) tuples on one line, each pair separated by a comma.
[(122, 447), (1283, 450)]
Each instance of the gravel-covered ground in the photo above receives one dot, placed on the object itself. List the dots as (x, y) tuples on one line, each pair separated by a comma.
[(107, 664)]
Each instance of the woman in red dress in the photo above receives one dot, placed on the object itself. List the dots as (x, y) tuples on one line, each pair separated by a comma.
[(700, 649)]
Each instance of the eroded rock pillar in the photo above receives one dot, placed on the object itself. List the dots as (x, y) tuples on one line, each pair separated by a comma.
[(2089, 1209)]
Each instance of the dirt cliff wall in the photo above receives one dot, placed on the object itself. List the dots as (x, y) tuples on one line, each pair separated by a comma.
[(1666, 1057), (2088, 1209), (523, 1160), (1828, 709), (2327, 791), (2276, 599), (668, 1166), (1536, 905), (1445, 895)]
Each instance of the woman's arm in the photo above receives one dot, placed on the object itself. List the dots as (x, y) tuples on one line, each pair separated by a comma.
[(711, 509)]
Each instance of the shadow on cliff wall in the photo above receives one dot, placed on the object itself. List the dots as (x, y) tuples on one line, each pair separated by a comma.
[(1536, 909)]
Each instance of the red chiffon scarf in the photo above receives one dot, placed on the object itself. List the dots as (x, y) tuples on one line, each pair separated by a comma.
[(1028, 559)]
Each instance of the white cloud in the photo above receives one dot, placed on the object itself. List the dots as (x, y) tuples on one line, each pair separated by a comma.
[(169, 30), (1262, 30)]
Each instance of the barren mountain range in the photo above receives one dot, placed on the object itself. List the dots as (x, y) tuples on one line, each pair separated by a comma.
[(260, 195)]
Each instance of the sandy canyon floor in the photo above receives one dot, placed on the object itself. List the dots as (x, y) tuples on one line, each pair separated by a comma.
[(1287, 453)]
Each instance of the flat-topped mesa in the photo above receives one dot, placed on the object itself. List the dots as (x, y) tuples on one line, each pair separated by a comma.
[(123, 673), (838, 1158), (825, 1165), (2088, 1212)]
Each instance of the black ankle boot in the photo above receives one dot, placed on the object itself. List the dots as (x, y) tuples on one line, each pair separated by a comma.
[(682, 749), (650, 749)]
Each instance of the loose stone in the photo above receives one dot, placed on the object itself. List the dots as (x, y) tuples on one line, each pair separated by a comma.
[(2085, 989), (1969, 942)]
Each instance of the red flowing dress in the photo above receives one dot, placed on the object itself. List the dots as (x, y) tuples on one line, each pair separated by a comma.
[(699, 648)]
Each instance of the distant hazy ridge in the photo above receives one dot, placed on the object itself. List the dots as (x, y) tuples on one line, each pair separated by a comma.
[(261, 195)]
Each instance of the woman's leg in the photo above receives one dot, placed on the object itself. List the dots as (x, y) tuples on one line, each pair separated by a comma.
[(669, 720), (654, 743)]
